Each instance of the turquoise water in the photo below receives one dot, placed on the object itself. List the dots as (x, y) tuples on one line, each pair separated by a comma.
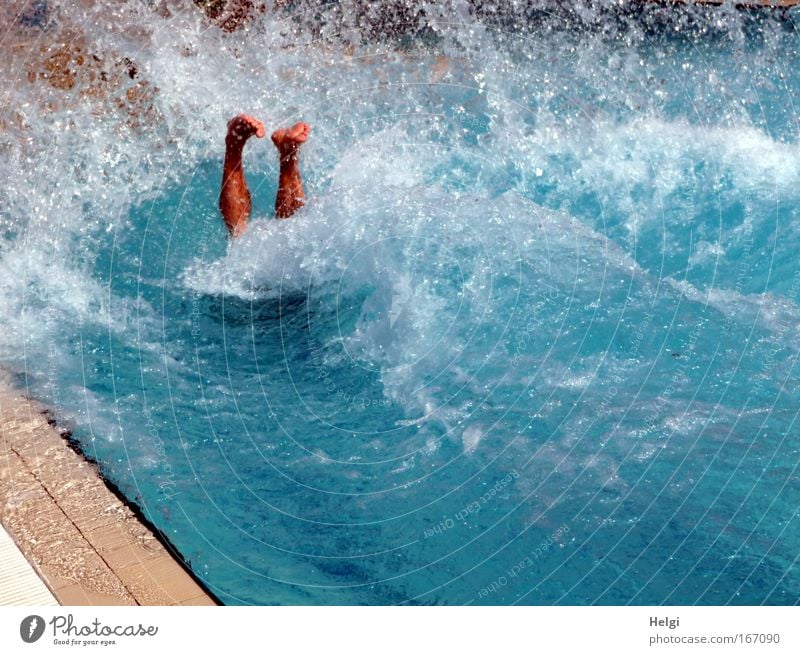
[(532, 340)]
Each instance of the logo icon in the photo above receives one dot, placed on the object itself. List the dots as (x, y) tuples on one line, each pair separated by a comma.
[(31, 628)]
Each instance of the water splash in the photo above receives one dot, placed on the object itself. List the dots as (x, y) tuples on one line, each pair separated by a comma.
[(554, 242)]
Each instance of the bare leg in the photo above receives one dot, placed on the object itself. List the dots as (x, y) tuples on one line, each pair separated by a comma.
[(234, 199), (290, 184)]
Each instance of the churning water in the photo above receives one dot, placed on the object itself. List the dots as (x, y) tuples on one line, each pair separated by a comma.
[(532, 340)]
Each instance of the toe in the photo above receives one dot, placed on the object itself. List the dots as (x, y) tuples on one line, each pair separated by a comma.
[(300, 131)]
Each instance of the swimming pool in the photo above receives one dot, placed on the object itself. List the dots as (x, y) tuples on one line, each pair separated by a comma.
[(532, 340)]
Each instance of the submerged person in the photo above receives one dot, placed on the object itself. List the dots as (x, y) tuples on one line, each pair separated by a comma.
[(234, 199)]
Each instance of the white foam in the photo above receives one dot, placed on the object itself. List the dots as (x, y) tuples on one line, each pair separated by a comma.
[(471, 437), (387, 166), (776, 314)]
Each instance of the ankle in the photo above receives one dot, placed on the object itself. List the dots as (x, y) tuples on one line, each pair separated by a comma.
[(234, 138), (289, 159)]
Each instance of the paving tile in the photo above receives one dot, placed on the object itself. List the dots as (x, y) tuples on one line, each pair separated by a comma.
[(90, 516), (17, 485), (77, 594), (124, 543), (55, 578), (160, 581)]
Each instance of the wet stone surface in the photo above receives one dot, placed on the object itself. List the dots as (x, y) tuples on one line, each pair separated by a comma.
[(89, 547)]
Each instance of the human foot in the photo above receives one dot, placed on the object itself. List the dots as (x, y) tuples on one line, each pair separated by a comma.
[(290, 183), (289, 139), (242, 127), (234, 198)]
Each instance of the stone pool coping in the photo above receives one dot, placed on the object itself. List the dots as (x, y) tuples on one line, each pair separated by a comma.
[(87, 544)]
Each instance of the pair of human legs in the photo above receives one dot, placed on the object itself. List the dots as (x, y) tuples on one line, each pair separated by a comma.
[(234, 199)]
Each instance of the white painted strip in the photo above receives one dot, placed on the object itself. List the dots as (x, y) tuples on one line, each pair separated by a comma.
[(19, 583), (407, 630)]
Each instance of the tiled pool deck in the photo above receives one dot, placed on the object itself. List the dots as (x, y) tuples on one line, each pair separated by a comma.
[(86, 545)]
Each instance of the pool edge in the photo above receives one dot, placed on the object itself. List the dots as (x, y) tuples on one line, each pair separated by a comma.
[(88, 543)]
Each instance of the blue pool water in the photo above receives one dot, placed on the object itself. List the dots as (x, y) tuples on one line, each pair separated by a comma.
[(532, 340)]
